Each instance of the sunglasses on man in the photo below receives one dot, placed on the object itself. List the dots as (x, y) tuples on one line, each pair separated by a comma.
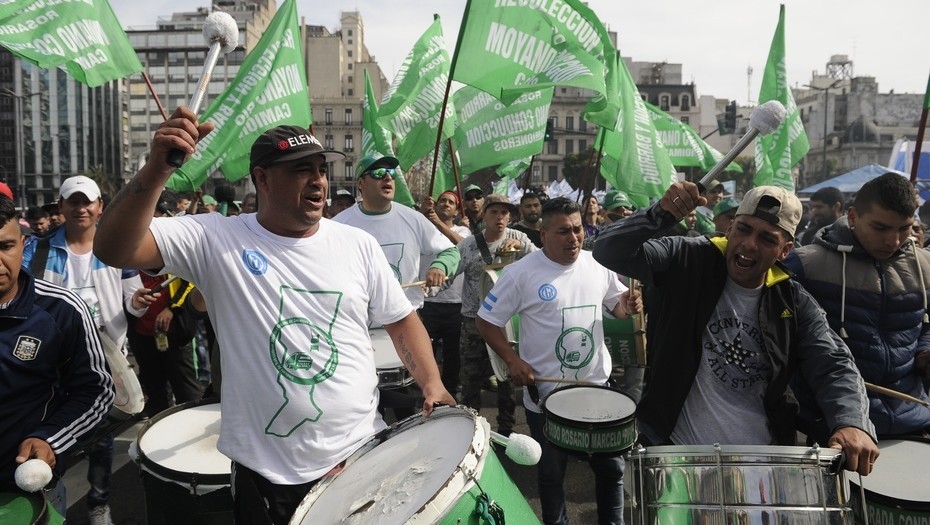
[(380, 173)]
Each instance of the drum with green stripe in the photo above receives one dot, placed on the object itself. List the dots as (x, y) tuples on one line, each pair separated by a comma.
[(590, 420), (24, 508), (437, 470), (511, 330), (896, 491), (620, 338)]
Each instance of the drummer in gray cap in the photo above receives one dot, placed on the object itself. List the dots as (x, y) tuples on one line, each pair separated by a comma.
[(745, 335)]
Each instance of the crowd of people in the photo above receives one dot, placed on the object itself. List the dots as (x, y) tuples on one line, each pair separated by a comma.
[(779, 322)]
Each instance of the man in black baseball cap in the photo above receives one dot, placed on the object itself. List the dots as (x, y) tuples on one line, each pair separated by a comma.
[(283, 274)]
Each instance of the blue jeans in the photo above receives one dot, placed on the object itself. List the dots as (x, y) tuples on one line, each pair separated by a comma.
[(550, 473), (99, 467)]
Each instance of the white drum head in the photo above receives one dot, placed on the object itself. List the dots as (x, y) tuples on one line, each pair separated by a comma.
[(185, 441), (590, 404), (385, 355), (901, 471), (417, 471)]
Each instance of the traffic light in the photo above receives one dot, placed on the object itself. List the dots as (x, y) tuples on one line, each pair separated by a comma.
[(729, 117), (548, 135)]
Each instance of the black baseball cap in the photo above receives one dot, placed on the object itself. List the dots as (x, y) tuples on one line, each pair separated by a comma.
[(286, 144)]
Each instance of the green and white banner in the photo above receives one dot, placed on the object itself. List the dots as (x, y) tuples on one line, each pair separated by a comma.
[(410, 109), (376, 139), (510, 47), (684, 145), (490, 133), (82, 36), (634, 159), (780, 151), (270, 90)]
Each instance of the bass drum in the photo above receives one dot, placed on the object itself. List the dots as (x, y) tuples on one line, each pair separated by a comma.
[(511, 330), (441, 469)]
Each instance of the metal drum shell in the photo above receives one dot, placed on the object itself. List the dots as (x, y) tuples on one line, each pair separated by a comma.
[(754, 485)]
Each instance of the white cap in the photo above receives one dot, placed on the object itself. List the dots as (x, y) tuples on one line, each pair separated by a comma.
[(79, 184)]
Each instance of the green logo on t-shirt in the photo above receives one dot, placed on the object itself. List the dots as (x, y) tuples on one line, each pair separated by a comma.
[(304, 353), (575, 347)]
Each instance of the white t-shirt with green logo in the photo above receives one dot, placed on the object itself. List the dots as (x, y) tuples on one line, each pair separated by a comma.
[(404, 235), (561, 324), (291, 315)]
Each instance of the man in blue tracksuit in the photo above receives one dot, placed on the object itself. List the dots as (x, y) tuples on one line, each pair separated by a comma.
[(56, 386)]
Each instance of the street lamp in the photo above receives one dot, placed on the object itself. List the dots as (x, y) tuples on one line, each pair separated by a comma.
[(20, 142), (826, 103)]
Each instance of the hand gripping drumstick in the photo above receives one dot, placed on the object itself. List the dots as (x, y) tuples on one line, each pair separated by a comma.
[(522, 449), (764, 119), (222, 34)]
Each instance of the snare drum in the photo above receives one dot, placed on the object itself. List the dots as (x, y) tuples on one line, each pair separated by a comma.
[(897, 490), (590, 420), (185, 478), (391, 371), (423, 471), (27, 508), (752, 485)]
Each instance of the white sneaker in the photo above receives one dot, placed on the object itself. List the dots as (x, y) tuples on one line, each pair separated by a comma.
[(100, 515)]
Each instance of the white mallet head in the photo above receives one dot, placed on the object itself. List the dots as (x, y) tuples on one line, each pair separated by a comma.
[(221, 27), (523, 450), (767, 117), (33, 475)]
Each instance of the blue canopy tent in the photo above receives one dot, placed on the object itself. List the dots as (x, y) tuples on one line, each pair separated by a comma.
[(850, 182)]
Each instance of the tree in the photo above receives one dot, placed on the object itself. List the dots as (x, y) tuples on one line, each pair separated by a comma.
[(109, 184), (578, 169)]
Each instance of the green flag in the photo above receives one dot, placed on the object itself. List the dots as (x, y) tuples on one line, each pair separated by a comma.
[(684, 145), (445, 174), (490, 133), (513, 169), (270, 90), (780, 151), (84, 38), (634, 159), (410, 108), (376, 139), (509, 47)]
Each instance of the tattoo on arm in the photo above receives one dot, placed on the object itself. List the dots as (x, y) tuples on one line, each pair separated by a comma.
[(405, 354)]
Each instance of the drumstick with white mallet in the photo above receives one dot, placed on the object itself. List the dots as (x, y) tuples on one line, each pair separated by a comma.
[(522, 449), (222, 34), (33, 475), (763, 120)]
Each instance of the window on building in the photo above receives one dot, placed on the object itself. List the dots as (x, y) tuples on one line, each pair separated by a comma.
[(350, 66), (685, 103), (350, 53), (348, 116), (553, 147), (351, 92), (570, 123), (686, 120), (582, 145), (553, 173), (569, 146), (350, 143), (350, 32), (350, 79), (554, 121), (664, 101), (350, 41), (328, 141), (328, 119), (582, 125), (537, 173), (349, 173)]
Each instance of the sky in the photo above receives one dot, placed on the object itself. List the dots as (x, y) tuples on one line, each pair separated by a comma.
[(716, 41)]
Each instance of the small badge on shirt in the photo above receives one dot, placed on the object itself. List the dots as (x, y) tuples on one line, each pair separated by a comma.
[(26, 348)]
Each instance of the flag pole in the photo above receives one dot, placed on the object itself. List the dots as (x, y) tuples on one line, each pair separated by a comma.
[(920, 133), (455, 175), (529, 173), (445, 98)]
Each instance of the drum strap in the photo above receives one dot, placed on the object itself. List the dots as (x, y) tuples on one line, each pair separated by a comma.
[(483, 247)]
